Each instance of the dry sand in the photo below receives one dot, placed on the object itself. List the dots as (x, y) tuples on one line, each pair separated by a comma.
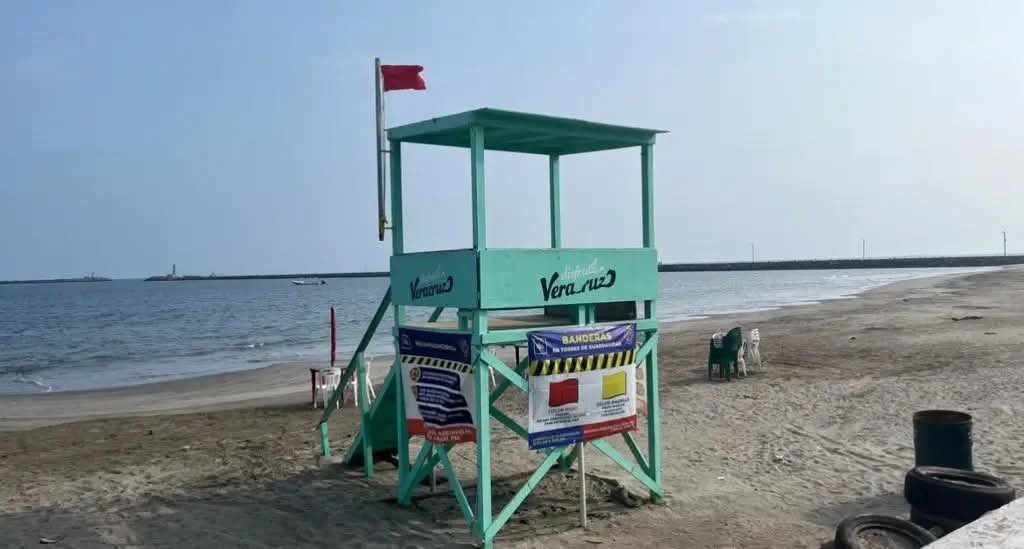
[(774, 460)]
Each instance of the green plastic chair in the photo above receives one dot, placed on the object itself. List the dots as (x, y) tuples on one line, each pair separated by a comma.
[(723, 352)]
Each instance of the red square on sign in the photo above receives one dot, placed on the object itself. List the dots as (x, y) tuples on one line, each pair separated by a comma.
[(563, 392)]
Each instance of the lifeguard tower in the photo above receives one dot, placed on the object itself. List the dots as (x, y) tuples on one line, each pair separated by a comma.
[(570, 285)]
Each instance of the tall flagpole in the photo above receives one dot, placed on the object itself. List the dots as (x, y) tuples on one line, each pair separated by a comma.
[(382, 219)]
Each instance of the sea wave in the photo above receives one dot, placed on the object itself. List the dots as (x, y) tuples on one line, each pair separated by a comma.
[(36, 382)]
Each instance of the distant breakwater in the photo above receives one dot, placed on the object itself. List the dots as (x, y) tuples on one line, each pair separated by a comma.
[(829, 264), (372, 274), (57, 280)]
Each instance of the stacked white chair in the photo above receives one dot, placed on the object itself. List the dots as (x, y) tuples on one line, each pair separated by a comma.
[(353, 384), (753, 350), (324, 384)]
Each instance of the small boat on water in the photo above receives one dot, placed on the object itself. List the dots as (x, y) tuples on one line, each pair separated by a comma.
[(309, 282)]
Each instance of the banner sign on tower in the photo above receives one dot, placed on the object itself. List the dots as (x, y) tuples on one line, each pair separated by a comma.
[(437, 383), (582, 384)]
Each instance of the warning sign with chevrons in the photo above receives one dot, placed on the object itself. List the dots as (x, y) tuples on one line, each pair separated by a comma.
[(582, 384), (437, 385)]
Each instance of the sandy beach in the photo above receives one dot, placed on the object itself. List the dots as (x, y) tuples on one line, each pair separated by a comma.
[(774, 460)]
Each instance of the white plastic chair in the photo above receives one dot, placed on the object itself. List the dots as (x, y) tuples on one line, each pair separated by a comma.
[(353, 385), (324, 384), (753, 349)]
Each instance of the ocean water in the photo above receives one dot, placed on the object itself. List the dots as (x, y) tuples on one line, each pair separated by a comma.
[(57, 337)]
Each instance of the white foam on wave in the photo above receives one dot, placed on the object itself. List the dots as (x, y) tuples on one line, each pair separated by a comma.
[(35, 382)]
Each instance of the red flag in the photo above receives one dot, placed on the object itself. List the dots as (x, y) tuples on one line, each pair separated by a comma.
[(402, 77)]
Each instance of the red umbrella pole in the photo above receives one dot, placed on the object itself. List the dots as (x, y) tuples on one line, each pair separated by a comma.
[(334, 339)]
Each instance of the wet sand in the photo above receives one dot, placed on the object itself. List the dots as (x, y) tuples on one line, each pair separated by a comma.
[(774, 460)]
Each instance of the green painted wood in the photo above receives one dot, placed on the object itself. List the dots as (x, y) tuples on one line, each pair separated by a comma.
[(476, 173), (524, 491), (400, 426), (505, 384), (555, 202), (382, 422), (479, 323), (507, 421), (416, 475), (453, 481), (647, 193), (440, 125), (650, 342), (569, 454), (436, 279), (524, 278), (482, 378), (397, 221), (426, 461), (405, 489), (630, 467), (654, 423), (508, 337), (325, 441), (524, 133), (397, 249), (494, 362), (635, 450)]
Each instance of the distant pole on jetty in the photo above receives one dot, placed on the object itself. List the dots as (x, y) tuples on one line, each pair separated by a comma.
[(751, 252), (863, 248), (1004, 242)]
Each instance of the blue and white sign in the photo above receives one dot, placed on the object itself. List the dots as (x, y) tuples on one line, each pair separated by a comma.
[(582, 384), (437, 384)]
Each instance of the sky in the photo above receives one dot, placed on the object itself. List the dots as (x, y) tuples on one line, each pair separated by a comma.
[(237, 136)]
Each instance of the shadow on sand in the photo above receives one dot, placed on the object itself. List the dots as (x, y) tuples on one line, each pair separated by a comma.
[(333, 507)]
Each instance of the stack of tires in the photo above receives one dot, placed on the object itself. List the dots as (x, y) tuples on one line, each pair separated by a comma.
[(943, 499), (943, 490)]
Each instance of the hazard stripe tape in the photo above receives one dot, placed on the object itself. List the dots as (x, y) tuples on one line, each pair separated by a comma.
[(589, 363), (460, 367)]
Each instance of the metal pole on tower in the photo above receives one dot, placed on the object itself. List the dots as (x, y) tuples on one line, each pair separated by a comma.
[(382, 218)]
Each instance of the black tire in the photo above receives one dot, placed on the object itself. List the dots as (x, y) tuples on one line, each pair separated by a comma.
[(934, 522), (859, 533), (954, 493)]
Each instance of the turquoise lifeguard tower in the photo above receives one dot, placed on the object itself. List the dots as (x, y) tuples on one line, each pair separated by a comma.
[(571, 286)]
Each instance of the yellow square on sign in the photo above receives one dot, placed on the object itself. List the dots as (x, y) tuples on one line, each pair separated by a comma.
[(613, 385)]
